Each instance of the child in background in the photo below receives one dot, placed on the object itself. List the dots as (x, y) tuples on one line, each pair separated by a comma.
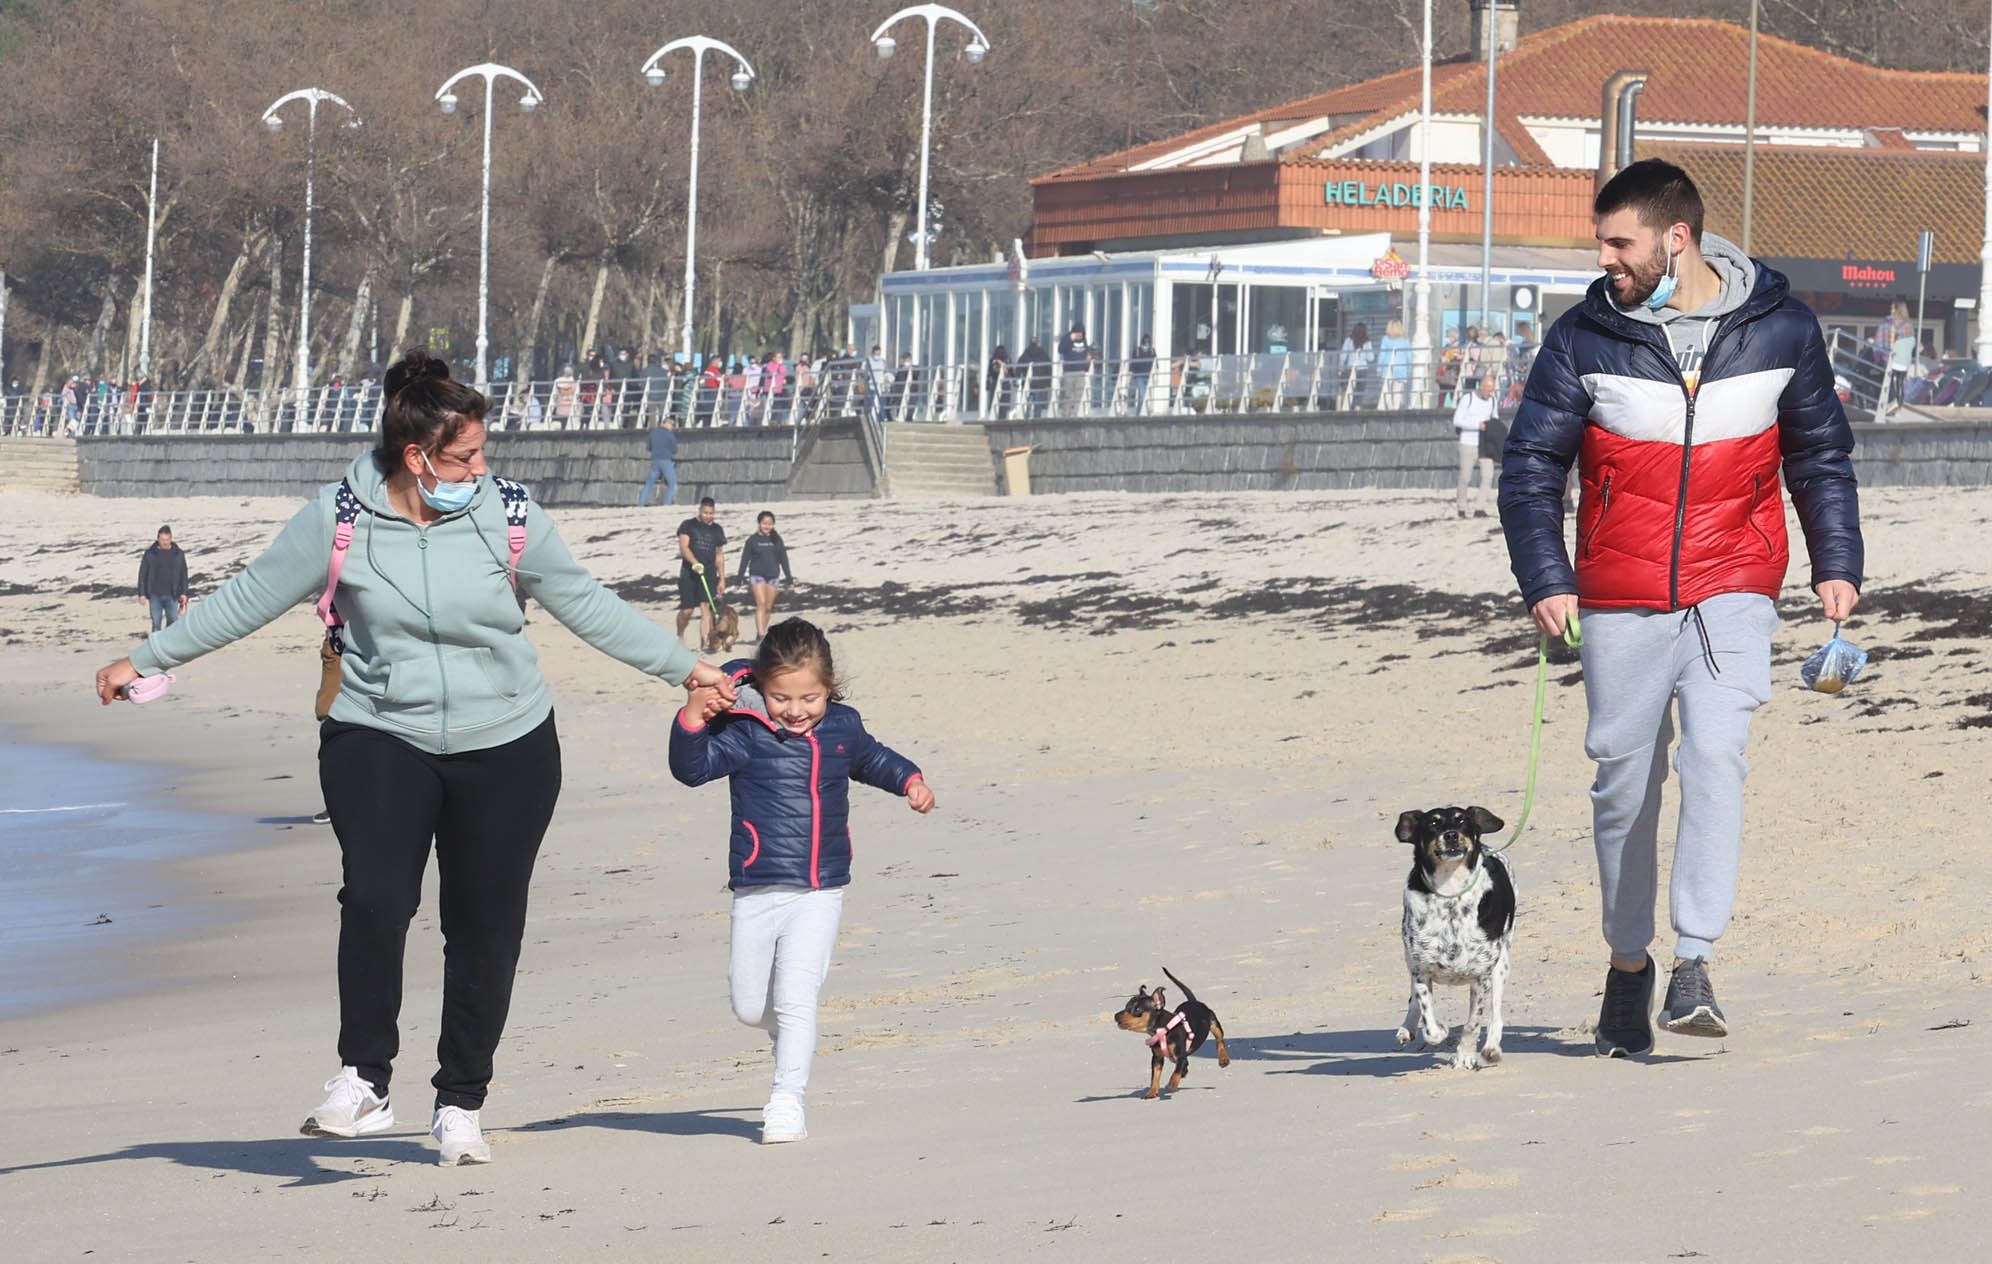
[(790, 749)]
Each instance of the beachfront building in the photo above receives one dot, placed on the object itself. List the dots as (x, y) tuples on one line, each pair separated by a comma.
[(1282, 230)]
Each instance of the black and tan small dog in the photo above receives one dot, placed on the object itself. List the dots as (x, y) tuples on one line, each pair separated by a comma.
[(1172, 1033), (1459, 915), (725, 628)]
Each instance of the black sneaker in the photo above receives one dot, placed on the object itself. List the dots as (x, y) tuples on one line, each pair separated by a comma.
[(1624, 1028), (1691, 1009), (321, 817)]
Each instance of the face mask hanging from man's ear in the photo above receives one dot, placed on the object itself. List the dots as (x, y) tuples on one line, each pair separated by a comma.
[(1664, 290)]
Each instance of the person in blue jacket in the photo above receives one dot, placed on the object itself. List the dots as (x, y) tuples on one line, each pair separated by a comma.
[(790, 749)]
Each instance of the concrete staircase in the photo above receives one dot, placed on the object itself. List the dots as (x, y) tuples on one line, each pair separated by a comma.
[(38, 465), (937, 462)]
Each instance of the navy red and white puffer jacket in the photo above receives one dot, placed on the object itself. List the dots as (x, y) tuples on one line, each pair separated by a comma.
[(1681, 498), (791, 791)]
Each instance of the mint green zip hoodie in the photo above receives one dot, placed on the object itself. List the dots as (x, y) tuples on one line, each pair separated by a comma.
[(436, 651)]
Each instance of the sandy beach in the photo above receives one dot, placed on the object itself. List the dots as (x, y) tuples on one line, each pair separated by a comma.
[(1168, 730)]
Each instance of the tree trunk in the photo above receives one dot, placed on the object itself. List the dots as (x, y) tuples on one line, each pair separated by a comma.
[(245, 339), (208, 359), (527, 362), (401, 319), (134, 321), (895, 228), (595, 303), (93, 359), (648, 348), (273, 316), (42, 361), (349, 350)]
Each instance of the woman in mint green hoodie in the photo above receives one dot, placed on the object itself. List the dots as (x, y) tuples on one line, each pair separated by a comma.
[(442, 730)]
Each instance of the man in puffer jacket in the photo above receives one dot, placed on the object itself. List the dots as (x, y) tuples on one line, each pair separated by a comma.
[(1681, 387)]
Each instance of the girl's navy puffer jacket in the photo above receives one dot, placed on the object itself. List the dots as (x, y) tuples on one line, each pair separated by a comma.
[(791, 792)]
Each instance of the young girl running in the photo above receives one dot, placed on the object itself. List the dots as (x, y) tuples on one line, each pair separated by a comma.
[(790, 749)]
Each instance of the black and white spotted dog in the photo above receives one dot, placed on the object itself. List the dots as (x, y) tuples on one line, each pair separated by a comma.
[(1459, 915)]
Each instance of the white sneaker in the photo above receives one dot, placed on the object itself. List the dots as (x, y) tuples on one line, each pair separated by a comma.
[(781, 1120), (459, 1136), (351, 1109)]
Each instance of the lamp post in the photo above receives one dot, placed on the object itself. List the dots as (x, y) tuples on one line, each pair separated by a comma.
[(1750, 137), (653, 74), (976, 50), (1491, 12), (1985, 254), (273, 119), (151, 234), (491, 73), (1421, 334)]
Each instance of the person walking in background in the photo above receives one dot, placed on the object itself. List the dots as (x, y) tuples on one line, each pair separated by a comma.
[(1394, 365), (1074, 359), (775, 387), (1474, 413), (764, 568), (441, 734), (701, 568), (162, 580), (1683, 387), (566, 394), (995, 383), (1140, 369), (663, 463), (1034, 369)]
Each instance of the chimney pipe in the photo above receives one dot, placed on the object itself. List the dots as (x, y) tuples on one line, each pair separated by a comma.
[(1616, 119)]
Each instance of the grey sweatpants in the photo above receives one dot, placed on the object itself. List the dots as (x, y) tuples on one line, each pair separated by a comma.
[(1714, 663)]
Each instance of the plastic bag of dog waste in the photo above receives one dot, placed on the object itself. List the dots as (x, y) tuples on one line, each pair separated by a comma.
[(1837, 664)]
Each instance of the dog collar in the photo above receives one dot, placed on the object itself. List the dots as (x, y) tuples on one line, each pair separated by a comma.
[(1158, 1038), (1471, 887)]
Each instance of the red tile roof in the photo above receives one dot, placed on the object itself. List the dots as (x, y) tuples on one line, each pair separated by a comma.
[(1698, 70), (1863, 203)]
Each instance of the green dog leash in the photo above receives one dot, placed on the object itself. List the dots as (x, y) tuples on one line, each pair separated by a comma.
[(710, 603), (1573, 636)]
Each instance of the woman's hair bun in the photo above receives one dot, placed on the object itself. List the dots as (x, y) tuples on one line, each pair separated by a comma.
[(414, 365)]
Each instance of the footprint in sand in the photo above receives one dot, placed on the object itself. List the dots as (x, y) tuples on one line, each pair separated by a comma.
[(1423, 1163), (1391, 1215)]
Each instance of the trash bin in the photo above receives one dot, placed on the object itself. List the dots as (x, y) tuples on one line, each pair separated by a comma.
[(1017, 471)]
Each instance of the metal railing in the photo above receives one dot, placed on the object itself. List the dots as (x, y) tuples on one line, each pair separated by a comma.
[(1861, 365), (800, 397)]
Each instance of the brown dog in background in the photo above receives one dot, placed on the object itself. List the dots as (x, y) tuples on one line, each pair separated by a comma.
[(725, 628)]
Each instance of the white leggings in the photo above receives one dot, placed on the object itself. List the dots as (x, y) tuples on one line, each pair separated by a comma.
[(782, 940)]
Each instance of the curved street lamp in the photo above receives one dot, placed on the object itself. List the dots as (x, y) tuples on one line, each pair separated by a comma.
[(977, 49), (274, 120), (491, 73), (742, 79)]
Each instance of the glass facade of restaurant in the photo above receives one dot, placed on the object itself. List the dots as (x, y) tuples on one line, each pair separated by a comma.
[(1264, 299)]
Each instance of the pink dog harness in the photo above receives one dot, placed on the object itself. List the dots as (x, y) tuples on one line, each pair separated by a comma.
[(1158, 1039)]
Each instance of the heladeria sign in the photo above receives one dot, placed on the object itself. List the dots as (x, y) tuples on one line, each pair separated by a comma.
[(1443, 197)]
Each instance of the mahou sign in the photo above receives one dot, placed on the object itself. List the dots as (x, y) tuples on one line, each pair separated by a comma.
[(1862, 276)]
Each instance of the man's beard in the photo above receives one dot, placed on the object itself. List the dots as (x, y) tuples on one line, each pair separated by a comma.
[(1645, 278)]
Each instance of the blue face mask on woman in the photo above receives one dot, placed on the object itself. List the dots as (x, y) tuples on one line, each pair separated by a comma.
[(446, 497)]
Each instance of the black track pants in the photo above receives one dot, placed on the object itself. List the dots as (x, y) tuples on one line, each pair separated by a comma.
[(486, 812)]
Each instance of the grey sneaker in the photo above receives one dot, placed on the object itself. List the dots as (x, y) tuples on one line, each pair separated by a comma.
[(1691, 1009), (1624, 1028)]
